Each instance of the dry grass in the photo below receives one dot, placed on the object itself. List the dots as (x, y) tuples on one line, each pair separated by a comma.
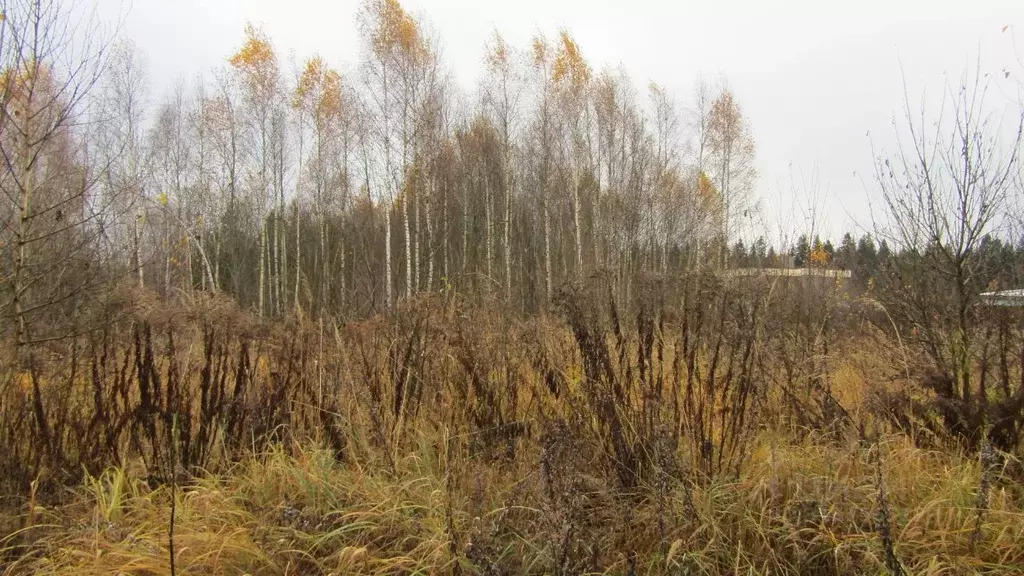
[(454, 438), (799, 508)]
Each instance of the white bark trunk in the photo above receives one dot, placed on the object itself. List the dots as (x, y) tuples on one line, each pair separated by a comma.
[(19, 261), (576, 225), (547, 248), (325, 277), (430, 237), (298, 252), (465, 229), (387, 255), (446, 230), (416, 241), (487, 220), (263, 265), (137, 248), (298, 220), (505, 240), (408, 246)]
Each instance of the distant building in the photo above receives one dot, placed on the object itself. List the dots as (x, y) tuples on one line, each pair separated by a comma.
[(806, 278), (812, 272), (1005, 298)]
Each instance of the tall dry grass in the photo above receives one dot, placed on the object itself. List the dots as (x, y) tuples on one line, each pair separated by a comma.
[(695, 426)]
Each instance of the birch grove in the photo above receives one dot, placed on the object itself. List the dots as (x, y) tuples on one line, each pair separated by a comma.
[(342, 194)]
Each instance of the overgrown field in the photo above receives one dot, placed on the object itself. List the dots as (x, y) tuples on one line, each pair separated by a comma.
[(691, 426)]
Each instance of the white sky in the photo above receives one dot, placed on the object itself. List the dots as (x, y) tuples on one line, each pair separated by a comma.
[(813, 77)]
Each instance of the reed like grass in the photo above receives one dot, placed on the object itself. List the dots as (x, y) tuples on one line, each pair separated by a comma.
[(799, 508)]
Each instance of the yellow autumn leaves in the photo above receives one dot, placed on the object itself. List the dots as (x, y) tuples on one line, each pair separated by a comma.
[(256, 61), (395, 33), (820, 258), (497, 52), (569, 67), (319, 90)]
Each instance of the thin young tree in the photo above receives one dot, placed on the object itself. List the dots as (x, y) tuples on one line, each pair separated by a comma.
[(503, 92), (732, 153), (49, 71), (169, 166), (543, 143), (50, 223), (120, 142), (227, 133), (666, 165), (571, 76), (947, 185), (321, 99), (199, 127), (395, 55), (256, 68)]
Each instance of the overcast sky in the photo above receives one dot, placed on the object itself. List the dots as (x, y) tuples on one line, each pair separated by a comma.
[(814, 78)]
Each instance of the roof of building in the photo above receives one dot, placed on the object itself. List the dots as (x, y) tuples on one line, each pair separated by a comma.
[(1004, 298), (822, 272)]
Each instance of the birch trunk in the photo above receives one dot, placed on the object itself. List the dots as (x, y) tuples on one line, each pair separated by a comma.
[(416, 239), (576, 224), (387, 255), (487, 219), (137, 247), (408, 245), (325, 280), (508, 223), (430, 238), (282, 245), (298, 222), (216, 262), (263, 265), (465, 229), (298, 253), (17, 278), (547, 248), (446, 230)]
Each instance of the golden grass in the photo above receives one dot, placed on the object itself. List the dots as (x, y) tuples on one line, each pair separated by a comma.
[(427, 492), (805, 507)]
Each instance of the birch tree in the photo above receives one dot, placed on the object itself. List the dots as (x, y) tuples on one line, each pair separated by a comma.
[(256, 68), (543, 143), (226, 130), (200, 127), (169, 148), (502, 96), (50, 223), (322, 102), (571, 76), (732, 150), (665, 172), (395, 55), (121, 144), (48, 73)]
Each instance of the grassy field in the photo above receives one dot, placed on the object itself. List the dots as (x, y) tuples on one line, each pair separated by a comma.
[(453, 439), (799, 508)]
